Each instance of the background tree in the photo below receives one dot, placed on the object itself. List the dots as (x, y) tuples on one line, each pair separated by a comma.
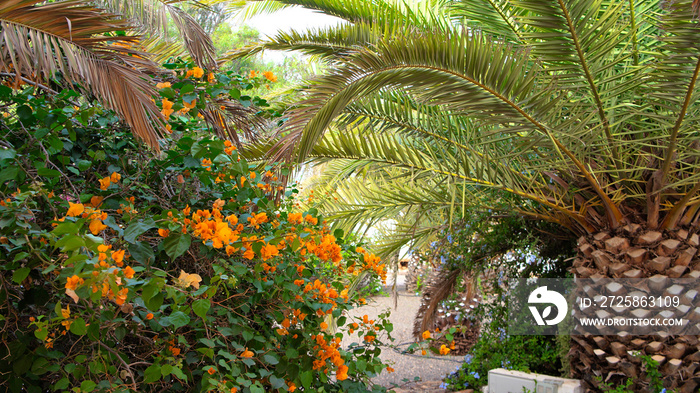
[(585, 112)]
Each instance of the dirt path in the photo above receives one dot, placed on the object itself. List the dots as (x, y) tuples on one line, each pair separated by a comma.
[(430, 369)]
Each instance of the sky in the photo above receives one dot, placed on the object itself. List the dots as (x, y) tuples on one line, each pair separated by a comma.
[(296, 18)]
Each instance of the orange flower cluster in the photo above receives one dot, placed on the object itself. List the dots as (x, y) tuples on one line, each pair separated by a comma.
[(270, 76), (327, 250), (167, 107), (444, 350), (89, 211), (322, 293), (328, 350), (196, 72), (371, 262)]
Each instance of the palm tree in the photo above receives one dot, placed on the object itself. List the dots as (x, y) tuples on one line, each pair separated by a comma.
[(585, 111)]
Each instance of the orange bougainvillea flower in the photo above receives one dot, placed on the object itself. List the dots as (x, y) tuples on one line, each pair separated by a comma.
[(270, 76), (291, 386), (149, 316), (249, 254), (197, 72), (294, 218), (324, 326), (115, 177), (426, 335), (118, 256), (234, 390), (105, 182), (163, 232), (342, 373), (247, 354), (73, 282), (162, 85), (129, 272), (444, 350), (211, 371), (252, 74), (75, 209), (96, 226), (167, 107)]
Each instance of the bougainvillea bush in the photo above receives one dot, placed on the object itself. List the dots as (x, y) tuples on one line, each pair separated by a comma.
[(125, 270)]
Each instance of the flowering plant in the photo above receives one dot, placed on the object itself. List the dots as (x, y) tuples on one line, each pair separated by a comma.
[(177, 272)]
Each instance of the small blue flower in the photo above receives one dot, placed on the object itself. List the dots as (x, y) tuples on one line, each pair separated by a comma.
[(475, 374), (663, 390), (443, 386), (468, 358)]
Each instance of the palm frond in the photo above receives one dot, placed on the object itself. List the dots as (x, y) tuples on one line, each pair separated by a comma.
[(69, 38), (151, 17)]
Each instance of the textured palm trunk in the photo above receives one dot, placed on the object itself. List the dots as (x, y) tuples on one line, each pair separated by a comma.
[(633, 252)]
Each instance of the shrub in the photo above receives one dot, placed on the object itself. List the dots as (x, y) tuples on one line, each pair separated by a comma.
[(126, 272)]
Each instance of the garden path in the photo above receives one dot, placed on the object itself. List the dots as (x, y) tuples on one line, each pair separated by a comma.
[(430, 369)]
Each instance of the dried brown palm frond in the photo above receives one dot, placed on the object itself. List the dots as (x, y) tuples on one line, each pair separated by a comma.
[(151, 17), (231, 118), (69, 39), (440, 289)]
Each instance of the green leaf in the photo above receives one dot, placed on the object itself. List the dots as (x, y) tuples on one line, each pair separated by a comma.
[(138, 228), (48, 172), (256, 388), (178, 373), (179, 319), (166, 369), (176, 245), (271, 359), (87, 386), (306, 378), (142, 252), (9, 174), (201, 306), (61, 384), (152, 373), (20, 274), (277, 383), (7, 154), (70, 243), (78, 327)]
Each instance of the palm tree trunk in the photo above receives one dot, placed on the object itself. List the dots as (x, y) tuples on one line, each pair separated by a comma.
[(633, 252)]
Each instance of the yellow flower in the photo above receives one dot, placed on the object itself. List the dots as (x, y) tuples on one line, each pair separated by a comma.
[(75, 209), (426, 335), (186, 279), (197, 72), (162, 85), (65, 312)]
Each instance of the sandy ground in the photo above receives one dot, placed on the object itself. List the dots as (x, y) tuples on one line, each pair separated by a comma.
[(407, 366)]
